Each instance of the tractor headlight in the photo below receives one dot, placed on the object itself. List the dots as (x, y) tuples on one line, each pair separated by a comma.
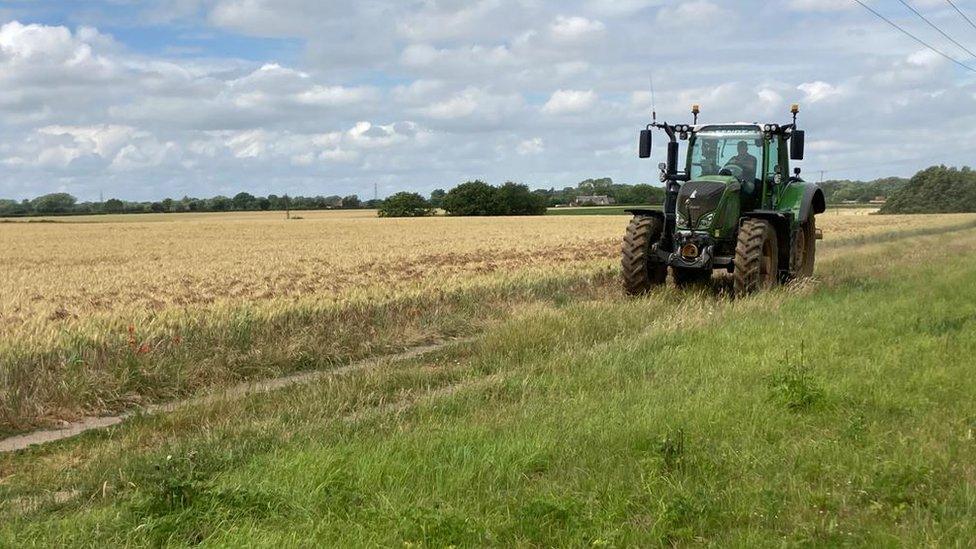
[(682, 222), (706, 220)]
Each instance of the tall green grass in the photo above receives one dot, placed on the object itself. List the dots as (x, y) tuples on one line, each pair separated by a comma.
[(831, 414)]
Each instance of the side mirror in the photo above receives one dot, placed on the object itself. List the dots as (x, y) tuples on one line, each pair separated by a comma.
[(645, 143), (796, 145)]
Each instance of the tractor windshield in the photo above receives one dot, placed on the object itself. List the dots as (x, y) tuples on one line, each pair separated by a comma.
[(734, 152)]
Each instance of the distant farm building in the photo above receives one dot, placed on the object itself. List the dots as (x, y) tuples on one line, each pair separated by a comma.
[(594, 201)]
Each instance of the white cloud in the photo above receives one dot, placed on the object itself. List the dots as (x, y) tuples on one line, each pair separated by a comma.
[(695, 13), (569, 102), (476, 104), (531, 146), (821, 5), (818, 91), (617, 8), (575, 28)]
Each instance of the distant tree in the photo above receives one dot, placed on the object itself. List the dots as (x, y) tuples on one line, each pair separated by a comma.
[(168, 204), (53, 203), (12, 207), (243, 201), (599, 187), (471, 198), (220, 204), (351, 202), (437, 197), (114, 205), (405, 204), (638, 194), (157, 207), (515, 199), (840, 191)]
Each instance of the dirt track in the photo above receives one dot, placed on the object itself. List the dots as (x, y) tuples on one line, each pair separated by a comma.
[(73, 429)]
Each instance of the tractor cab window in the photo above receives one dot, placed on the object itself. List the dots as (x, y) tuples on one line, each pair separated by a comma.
[(728, 152)]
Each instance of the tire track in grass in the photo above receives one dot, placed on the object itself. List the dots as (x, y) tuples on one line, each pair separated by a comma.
[(73, 429)]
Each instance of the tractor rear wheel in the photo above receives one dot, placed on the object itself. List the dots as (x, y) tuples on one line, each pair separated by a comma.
[(642, 271), (756, 257), (689, 277), (810, 247), (804, 251)]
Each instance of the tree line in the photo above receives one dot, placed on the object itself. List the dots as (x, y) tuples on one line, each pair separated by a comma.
[(473, 198), (840, 191), (938, 189), (66, 204), (477, 198), (470, 198)]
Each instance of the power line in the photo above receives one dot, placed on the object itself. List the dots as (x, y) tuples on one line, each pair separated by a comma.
[(915, 38), (960, 12), (936, 27)]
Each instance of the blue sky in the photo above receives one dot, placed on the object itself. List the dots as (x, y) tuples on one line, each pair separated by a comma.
[(146, 99)]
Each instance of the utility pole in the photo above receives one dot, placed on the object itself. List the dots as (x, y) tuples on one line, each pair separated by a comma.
[(821, 176), (376, 191), (287, 207)]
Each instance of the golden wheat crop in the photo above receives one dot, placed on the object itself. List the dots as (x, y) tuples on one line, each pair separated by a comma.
[(52, 272)]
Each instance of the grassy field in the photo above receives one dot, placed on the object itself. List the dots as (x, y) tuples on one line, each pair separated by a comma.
[(117, 313), (837, 412)]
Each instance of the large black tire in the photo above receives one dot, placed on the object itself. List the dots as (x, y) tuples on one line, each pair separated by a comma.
[(756, 257), (810, 253), (689, 277), (641, 270), (804, 253)]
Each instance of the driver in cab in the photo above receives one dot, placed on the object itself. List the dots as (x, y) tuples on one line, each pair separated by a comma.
[(746, 161)]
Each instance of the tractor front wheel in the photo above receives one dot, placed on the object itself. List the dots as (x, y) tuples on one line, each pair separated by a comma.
[(641, 269), (756, 257)]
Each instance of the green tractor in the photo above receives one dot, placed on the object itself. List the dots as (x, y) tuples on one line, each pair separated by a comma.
[(733, 207)]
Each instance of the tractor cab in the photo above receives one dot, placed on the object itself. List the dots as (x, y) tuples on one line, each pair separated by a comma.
[(741, 158)]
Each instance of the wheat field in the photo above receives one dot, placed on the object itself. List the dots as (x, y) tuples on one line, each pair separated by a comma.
[(63, 272), (106, 312)]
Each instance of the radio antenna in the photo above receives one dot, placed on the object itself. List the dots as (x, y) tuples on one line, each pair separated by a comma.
[(653, 106)]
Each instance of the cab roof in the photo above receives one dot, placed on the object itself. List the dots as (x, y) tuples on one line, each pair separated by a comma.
[(731, 126)]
